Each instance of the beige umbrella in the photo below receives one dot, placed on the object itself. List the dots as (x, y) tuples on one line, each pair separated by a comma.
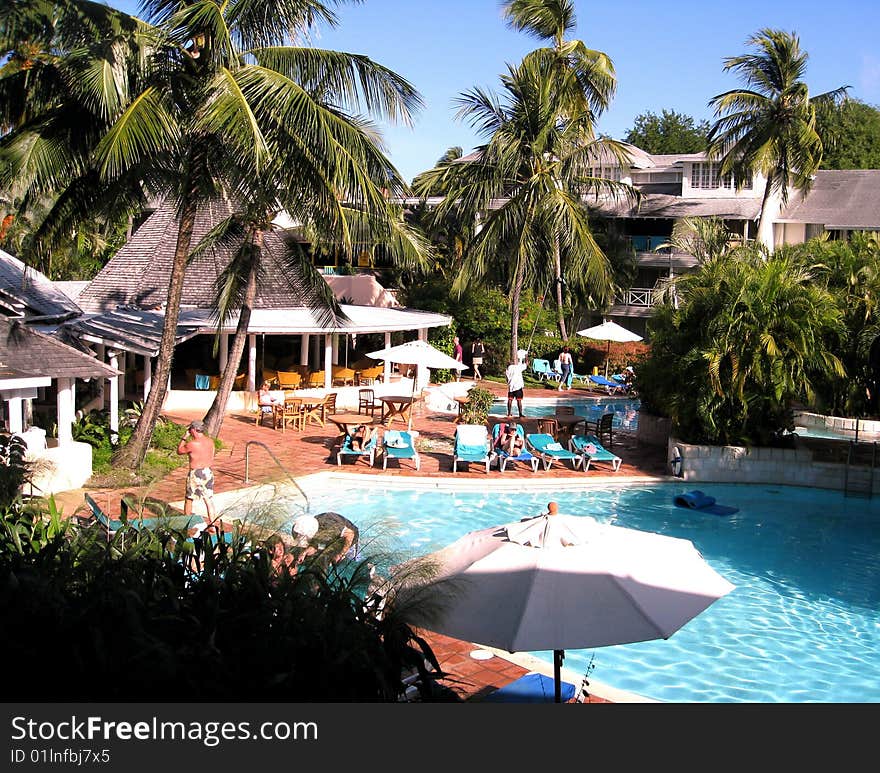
[(419, 353), (609, 331), (558, 582)]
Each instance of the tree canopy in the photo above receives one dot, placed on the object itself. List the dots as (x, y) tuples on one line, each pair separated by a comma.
[(850, 135), (669, 132)]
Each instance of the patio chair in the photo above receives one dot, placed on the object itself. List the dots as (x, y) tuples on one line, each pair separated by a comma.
[(399, 444), (288, 379), (368, 451), (471, 444), (292, 413), (371, 375), (504, 458), (202, 381), (531, 688), (367, 402), (603, 428), (549, 451), (265, 412), (543, 372), (593, 451)]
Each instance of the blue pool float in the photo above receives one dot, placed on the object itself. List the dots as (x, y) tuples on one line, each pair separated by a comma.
[(697, 500)]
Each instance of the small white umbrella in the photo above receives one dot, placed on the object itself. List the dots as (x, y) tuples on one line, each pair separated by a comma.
[(419, 353), (558, 582), (609, 331)]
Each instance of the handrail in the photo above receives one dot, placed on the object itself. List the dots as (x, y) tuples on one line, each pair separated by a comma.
[(247, 461)]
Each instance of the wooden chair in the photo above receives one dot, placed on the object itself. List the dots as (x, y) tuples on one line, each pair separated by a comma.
[(271, 377), (328, 406), (343, 376), (316, 378), (369, 376), (548, 426), (367, 402), (564, 410), (265, 412), (603, 428), (288, 379), (292, 413), (240, 382)]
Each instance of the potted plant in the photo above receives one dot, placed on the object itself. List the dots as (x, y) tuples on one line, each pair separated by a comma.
[(476, 409)]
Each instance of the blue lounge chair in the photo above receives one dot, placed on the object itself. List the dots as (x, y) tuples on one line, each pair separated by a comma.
[(593, 451), (611, 387), (542, 370), (471, 445), (531, 688), (168, 517), (345, 449), (549, 450), (504, 458), (399, 444)]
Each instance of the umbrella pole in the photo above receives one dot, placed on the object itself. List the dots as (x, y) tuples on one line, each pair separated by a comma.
[(558, 657), (607, 355)]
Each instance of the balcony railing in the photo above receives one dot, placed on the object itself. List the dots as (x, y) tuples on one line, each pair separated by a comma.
[(648, 243), (636, 296)]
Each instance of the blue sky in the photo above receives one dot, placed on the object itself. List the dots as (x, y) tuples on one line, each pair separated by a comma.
[(668, 55)]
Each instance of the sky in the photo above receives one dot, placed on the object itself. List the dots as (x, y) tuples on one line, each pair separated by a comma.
[(668, 55)]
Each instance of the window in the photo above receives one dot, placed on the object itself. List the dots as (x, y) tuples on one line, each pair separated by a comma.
[(705, 175)]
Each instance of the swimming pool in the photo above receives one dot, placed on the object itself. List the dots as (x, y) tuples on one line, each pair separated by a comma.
[(802, 625), (626, 411)]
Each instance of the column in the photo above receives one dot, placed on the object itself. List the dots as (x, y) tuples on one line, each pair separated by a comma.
[(100, 351), (304, 349), (386, 376), (122, 366), (224, 351), (148, 375), (114, 389), (252, 362), (334, 342), (15, 423), (328, 360), (66, 413)]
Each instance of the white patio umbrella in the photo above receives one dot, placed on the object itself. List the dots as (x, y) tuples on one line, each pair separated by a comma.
[(609, 331), (558, 582), (419, 353)]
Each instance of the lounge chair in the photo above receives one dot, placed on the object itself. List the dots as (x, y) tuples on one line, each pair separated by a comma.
[(593, 451), (611, 387), (549, 450), (532, 688), (472, 444), (504, 458), (345, 449), (399, 444), (543, 372)]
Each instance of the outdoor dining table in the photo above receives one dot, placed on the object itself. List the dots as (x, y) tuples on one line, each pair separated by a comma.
[(396, 406), (313, 411), (348, 422)]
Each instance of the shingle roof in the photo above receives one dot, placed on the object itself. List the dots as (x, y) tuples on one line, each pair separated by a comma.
[(665, 205), (848, 198), (138, 274), (28, 353), (25, 292)]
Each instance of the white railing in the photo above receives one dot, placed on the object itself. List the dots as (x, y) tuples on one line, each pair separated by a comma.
[(637, 296)]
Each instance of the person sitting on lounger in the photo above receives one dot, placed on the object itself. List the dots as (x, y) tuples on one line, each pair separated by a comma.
[(361, 437), (509, 440)]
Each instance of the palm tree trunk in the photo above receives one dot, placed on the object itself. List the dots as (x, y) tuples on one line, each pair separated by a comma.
[(560, 318), (764, 201), (131, 456), (214, 417)]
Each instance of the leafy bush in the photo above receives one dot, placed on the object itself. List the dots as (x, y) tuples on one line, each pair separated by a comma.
[(149, 615), (476, 410)]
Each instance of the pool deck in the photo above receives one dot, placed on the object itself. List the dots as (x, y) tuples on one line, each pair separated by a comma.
[(310, 451)]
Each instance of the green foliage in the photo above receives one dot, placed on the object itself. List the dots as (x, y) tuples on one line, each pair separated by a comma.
[(14, 468), (850, 135), (748, 336), (148, 615), (476, 410), (669, 132)]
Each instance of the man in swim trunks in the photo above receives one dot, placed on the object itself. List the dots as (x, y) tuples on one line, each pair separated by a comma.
[(200, 481)]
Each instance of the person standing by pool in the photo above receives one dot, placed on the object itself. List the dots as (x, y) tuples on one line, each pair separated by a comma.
[(477, 352), (458, 354), (515, 385), (200, 480), (565, 363)]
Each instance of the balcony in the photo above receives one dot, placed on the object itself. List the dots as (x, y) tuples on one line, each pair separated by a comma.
[(650, 252)]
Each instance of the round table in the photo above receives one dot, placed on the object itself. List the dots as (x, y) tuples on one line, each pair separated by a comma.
[(567, 423), (396, 406), (348, 422)]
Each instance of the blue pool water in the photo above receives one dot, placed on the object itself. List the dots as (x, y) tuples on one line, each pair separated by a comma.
[(802, 625), (626, 411)]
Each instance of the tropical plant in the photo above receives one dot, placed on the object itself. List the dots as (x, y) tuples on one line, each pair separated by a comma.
[(590, 85), (14, 468), (850, 133), (770, 126), (476, 409), (220, 101), (750, 332), (536, 164)]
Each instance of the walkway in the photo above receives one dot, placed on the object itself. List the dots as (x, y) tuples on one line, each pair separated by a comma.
[(311, 450)]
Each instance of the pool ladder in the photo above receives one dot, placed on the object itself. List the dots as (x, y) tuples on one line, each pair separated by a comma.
[(247, 466), (858, 479)]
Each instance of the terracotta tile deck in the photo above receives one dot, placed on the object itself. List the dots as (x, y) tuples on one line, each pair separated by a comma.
[(311, 450)]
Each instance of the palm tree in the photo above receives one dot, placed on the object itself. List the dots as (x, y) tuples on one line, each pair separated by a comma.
[(527, 185), (770, 126), (221, 92), (592, 82)]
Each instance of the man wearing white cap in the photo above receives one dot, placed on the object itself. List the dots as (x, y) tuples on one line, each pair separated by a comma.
[(324, 531)]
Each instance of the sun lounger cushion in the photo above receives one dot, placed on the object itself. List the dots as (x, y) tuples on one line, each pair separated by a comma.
[(531, 688)]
